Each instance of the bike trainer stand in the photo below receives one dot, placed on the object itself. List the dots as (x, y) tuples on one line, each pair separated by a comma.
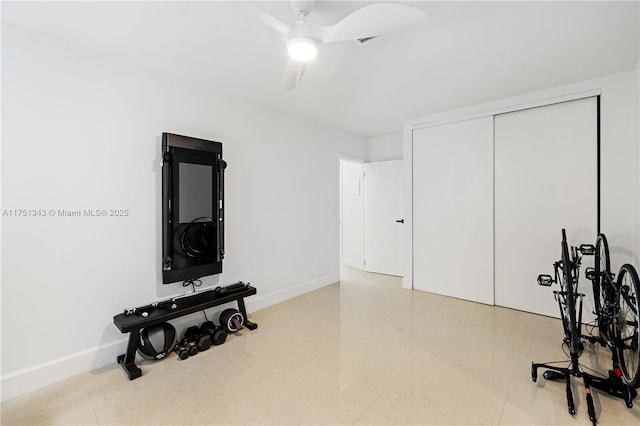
[(613, 385)]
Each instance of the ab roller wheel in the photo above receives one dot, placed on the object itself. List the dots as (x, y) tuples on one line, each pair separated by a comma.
[(232, 320)]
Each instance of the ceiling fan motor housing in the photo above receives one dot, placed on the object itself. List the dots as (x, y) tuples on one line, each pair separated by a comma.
[(303, 7)]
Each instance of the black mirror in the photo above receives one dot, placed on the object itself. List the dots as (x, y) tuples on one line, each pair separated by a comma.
[(192, 208)]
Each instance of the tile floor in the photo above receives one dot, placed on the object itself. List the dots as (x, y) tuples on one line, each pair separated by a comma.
[(364, 351)]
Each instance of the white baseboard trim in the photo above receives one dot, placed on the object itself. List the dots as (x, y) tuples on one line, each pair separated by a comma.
[(262, 301), (38, 376), (353, 263), (407, 283)]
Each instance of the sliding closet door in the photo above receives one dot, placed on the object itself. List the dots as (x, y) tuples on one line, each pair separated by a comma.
[(545, 180), (453, 209)]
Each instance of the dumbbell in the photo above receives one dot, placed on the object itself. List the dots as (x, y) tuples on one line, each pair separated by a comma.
[(184, 349), (232, 320), (201, 340), (218, 334)]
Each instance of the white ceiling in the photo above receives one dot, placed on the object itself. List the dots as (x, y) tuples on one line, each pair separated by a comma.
[(466, 52)]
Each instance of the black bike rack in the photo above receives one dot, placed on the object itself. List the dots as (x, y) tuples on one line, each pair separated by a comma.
[(133, 320), (613, 384)]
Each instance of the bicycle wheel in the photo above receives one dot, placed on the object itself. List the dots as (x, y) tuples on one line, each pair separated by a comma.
[(567, 272), (602, 266), (626, 325)]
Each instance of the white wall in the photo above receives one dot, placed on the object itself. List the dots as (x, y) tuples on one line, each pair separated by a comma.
[(385, 147), (619, 165), (637, 136), (81, 130), (620, 179)]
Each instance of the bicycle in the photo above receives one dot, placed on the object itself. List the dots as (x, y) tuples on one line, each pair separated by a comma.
[(618, 328)]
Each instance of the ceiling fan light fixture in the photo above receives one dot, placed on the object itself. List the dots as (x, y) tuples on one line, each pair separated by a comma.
[(302, 49)]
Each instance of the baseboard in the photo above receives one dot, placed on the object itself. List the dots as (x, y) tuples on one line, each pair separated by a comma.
[(353, 263), (407, 283), (32, 378), (263, 301)]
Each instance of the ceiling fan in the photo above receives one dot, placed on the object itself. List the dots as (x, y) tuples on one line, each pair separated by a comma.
[(302, 37)]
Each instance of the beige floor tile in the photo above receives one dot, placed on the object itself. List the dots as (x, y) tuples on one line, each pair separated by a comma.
[(64, 403)]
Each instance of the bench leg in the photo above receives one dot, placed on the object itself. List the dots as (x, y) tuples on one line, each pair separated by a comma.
[(128, 361), (250, 325)]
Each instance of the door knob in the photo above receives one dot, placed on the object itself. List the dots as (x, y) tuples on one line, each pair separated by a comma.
[(400, 220)]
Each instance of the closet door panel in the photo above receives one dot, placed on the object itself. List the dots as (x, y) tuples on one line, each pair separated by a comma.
[(545, 180), (453, 209)]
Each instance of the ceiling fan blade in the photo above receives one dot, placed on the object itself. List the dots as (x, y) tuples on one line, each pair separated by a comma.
[(372, 21), (293, 73), (262, 14)]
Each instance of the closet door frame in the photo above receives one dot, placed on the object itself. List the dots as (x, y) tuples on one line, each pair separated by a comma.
[(478, 111)]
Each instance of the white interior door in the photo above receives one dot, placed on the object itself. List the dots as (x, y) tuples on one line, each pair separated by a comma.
[(383, 209), (351, 214), (545, 180), (453, 209)]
